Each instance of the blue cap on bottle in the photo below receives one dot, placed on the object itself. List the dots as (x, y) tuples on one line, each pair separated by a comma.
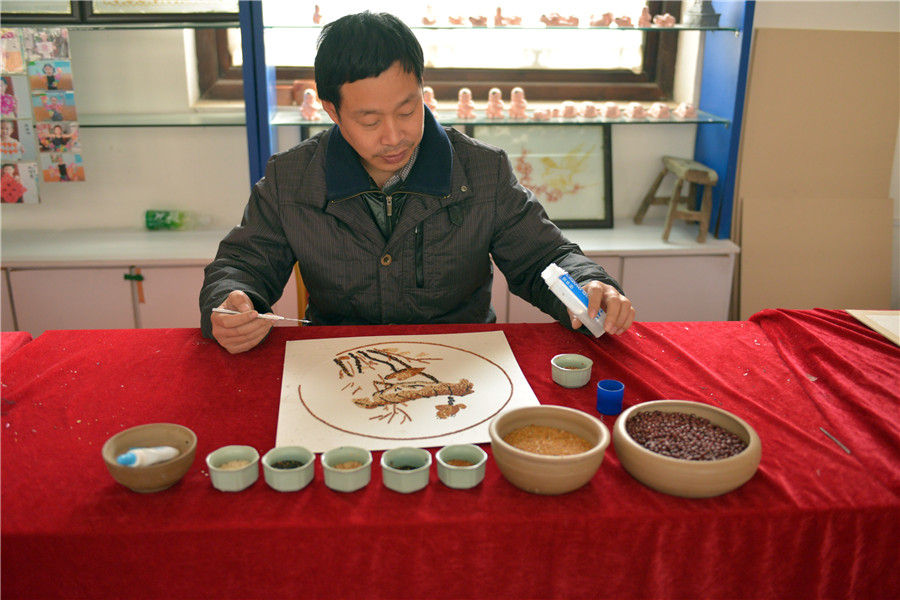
[(127, 459)]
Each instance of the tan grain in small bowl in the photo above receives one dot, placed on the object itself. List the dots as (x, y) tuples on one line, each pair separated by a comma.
[(688, 478), (153, 478), (544, 474)]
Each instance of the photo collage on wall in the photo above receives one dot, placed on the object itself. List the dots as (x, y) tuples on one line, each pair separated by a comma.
[(40, 117)]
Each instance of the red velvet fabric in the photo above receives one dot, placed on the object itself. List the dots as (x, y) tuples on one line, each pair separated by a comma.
[(10, 341), (814, 522)]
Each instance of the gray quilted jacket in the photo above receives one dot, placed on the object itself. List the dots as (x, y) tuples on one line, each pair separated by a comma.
[(461, 204)]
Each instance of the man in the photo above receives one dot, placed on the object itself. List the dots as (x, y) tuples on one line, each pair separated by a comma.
[(392, 218)]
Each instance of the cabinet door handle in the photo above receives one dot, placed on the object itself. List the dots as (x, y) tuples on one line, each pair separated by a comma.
[(138, 279)]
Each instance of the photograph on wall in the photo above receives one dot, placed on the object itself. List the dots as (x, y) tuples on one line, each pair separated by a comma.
[(19, 183), (50, 75), (45, 43), (12, 57), (17, 140), (62, 166), (58, 137), (54, 106), (16, 99), (571, 174)]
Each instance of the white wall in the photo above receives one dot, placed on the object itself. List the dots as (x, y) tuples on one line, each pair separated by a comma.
[(882, 15)]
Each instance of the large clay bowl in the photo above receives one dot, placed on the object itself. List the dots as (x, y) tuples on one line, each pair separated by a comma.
[(688, 478), (544, 474)]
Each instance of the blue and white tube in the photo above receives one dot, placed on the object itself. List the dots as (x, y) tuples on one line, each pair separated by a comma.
[(143, 457), (571, 294)]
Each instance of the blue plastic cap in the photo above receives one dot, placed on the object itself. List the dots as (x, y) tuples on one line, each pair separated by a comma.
[(127, 459), (609, 396)]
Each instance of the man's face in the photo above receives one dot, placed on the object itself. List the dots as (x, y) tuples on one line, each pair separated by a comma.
[(382, 119)]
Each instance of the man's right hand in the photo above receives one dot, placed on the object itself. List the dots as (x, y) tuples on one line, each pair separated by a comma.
[(239, 333)]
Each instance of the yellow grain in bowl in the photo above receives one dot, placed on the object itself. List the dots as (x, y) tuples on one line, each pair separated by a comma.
[(541, 439)]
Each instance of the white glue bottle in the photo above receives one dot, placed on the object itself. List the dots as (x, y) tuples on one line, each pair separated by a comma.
[(143, 457), (571, 294)]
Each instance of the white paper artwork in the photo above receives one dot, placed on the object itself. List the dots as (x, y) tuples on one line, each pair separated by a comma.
[(383, 392)]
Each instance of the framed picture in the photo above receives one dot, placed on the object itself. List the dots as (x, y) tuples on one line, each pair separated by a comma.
[(98, 11), (569, 169), (42, 11)]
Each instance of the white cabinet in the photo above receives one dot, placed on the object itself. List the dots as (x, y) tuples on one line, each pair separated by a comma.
[(679, 288), (678, 280), (71, 299), (109, 279)]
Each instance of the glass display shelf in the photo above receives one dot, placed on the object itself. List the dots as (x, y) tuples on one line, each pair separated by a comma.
[(188, 119), (288, 116), (534, 28)]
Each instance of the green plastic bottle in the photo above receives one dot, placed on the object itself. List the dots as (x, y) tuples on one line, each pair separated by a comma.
[(174, 219)]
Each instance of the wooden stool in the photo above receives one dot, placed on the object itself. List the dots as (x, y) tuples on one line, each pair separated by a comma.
[(695, 174)]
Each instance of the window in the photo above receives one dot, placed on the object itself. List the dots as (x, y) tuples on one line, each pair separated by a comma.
[(551, 63)]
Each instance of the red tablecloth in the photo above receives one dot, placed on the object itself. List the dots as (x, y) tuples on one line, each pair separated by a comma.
[(10, 342), (813, 522)]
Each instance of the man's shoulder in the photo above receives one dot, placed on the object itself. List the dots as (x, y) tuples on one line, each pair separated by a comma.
[(464, 143), (304, 151)]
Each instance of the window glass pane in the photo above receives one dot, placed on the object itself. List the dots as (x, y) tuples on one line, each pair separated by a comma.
[(292, 33), (35, 7), (149, 7)]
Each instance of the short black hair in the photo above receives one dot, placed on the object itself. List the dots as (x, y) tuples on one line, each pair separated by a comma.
[(364, 45)]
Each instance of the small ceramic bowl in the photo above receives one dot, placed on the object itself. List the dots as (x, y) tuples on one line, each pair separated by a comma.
[(541, 473), (453, 471), (344, 479), (289, 478), (405, 470), (688, 478), (152, 478), (571, 370), (227, 479)]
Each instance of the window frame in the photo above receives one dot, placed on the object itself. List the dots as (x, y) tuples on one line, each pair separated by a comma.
[(220, 80)]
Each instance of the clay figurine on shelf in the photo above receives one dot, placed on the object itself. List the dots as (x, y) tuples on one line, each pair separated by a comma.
[(479, 21), (317, 16), (635, 110), (685, 111), (428, 96), (588, 110), (644, 20), (610, 110), (659, 110), (624, 22), (604, 21), (517, 104), (501, 21), (665, 20), (429, 18), (309, 110), (567, 110), (542, 115), (455, 20), (465, 108), (557, 20), (495, 106)]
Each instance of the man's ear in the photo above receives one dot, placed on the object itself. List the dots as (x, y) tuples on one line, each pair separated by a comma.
[(331, 110)]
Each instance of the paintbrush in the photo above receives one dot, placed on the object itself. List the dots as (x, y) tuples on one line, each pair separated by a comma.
[(267, 316)]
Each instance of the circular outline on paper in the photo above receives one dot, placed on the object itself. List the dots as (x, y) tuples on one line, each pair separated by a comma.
[(421, 437)]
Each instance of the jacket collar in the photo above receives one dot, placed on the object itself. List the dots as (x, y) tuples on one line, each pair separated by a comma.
[(345, 176)]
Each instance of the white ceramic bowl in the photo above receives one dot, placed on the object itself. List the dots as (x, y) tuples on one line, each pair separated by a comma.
[(461, 477), (688, 478), (571, 370), (347, 480), (545, 474), (405, 470), (291, 479), (233, 480)]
